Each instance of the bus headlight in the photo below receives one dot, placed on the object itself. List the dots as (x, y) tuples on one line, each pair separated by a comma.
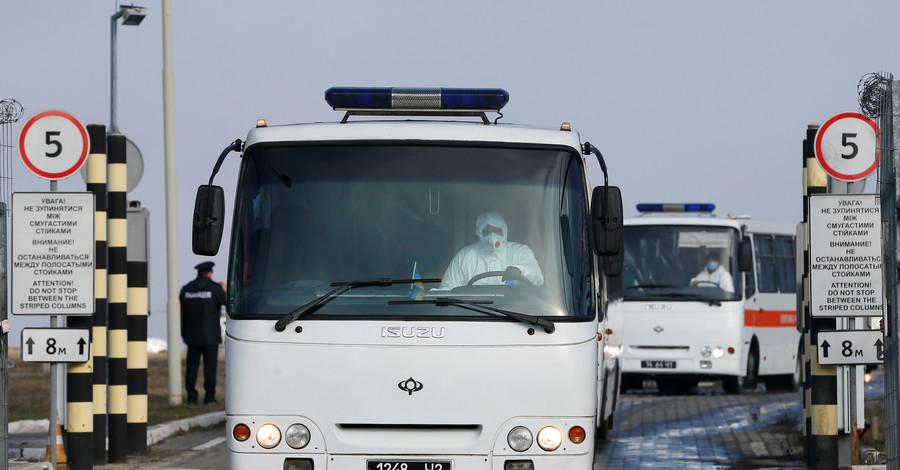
[(519, 439), (549, 438), (718, 352), (268, 436), (297, 436), (705, 351)]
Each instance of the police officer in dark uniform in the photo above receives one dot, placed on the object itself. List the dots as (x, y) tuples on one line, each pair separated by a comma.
[(201, 306)]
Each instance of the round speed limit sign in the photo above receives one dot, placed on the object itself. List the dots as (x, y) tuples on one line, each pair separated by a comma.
[(847, 146), (53, 145)]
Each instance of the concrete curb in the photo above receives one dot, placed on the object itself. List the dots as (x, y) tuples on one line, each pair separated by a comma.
[(30, 457)]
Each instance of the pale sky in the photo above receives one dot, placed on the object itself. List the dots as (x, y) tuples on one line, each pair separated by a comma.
[(689, 101)]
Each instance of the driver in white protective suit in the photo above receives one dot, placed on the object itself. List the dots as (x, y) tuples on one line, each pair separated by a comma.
[(492, 252), (713, 273)]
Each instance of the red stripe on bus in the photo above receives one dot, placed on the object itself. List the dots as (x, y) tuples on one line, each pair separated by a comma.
[(770, 318)]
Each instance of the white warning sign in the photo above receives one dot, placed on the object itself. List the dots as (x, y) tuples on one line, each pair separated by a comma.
[(845, 255), (53, 254)]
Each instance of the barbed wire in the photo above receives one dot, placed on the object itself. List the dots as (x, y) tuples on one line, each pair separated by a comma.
[(10, 111), (874, 94)]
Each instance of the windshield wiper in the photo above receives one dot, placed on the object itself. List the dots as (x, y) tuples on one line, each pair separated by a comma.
[(651, 286), (340, 288), (480, 306)]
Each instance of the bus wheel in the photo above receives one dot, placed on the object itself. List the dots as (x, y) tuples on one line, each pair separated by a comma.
[(751, 381)]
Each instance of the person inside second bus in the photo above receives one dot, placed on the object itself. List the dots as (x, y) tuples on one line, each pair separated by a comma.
[(714, 274), (492, 252)]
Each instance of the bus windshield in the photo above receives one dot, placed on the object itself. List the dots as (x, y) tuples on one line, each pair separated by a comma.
[(308, 218), (681, 263)]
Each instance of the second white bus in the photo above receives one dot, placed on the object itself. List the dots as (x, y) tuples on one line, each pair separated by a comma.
[(678, 331)]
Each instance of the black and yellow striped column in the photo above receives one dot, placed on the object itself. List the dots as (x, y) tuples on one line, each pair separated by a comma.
[(80, 377), (138, 308), (118, 299), (820, 382), (96, 183)]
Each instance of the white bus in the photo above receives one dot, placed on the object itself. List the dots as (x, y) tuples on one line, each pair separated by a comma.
[(685, 321), (351, 342)]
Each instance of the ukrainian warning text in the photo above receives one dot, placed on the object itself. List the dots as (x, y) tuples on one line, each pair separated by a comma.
[(845, 255), (53, 254)]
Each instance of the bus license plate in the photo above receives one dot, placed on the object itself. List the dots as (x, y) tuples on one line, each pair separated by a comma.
[(407, 465), (657, 364)]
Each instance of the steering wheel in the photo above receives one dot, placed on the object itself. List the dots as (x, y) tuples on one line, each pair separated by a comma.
[(478, 277), (699, 283)]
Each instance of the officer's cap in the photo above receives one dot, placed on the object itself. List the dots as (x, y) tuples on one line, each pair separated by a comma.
[(205, 266)]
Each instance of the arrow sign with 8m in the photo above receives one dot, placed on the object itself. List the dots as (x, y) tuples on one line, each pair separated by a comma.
[(851, 347), (56, 344)]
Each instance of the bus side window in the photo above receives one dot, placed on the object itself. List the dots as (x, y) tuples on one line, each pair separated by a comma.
[(784, 259), (765, 263), (750, 277)]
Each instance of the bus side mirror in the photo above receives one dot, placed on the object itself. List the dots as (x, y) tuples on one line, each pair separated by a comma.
[(606, 220), (209, 220), (745, 256)]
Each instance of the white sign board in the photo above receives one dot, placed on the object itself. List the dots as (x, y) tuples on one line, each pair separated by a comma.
[(53, 144), (845, 255), (847, 146), (53, 253), (56, 344), (850, 347)]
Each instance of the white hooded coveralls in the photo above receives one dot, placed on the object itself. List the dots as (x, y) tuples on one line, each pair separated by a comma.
[(492, 252), (719, 277)]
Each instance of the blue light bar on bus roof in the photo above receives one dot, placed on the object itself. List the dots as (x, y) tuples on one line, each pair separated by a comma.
[(454, 99), (689, 207)]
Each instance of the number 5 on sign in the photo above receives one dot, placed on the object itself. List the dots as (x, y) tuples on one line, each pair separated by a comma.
[(847, 146), (53, 145)]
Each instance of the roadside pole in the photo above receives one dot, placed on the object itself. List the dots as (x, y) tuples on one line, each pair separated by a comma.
[(53, 269), (4, 342), (845, 266), (54, 386), (819, 396)]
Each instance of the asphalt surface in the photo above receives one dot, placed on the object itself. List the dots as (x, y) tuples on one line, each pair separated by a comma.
[(705, 430)]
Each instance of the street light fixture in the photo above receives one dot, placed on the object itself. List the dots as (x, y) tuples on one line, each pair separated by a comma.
[(131, 15)]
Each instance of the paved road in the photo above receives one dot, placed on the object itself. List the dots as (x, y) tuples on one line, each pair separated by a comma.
[(708, 430), (196, 450)]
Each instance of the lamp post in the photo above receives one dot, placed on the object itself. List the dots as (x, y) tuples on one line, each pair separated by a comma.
[(132, 16)]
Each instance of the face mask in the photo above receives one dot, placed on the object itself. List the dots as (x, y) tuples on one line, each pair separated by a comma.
[(712, 266), (492, 243)]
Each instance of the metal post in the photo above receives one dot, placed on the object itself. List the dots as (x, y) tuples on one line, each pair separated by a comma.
[(172, 310), (54, 384), (112, 71), (96, 183), (820, 384), (81, 386), (4, 339), (889, 213), (138, 309), (117, 275), (848, 442)]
